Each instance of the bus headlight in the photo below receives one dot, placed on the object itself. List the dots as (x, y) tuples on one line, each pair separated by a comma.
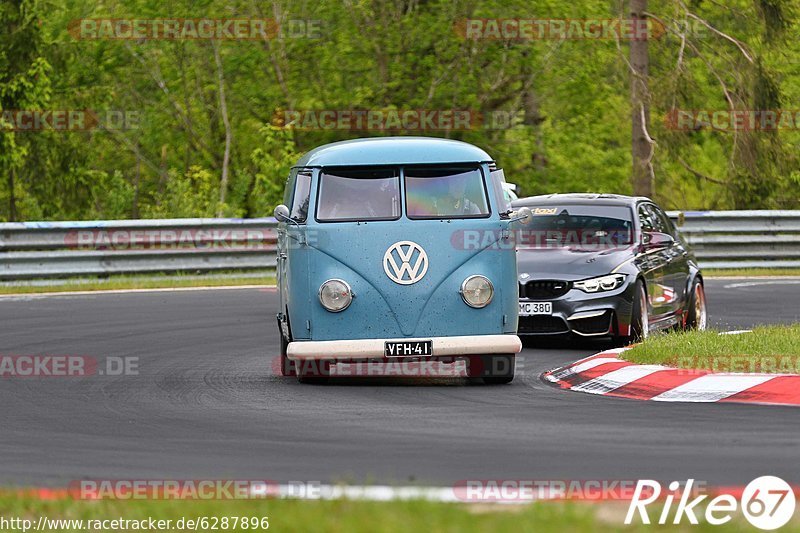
[(477, 291), (335, 295)]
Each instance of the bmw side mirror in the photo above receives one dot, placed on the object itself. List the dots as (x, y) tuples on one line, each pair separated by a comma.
[(656, 239), (522, 215)]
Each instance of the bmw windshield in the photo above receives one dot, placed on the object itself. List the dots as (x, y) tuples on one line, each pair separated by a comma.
[(578, 226)]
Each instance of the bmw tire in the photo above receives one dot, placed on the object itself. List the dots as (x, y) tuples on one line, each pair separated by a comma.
[(640, 317), (697, 317)]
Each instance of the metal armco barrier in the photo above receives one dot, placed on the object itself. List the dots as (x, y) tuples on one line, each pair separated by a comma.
[(59, 249), (720, 239), (742, 239)]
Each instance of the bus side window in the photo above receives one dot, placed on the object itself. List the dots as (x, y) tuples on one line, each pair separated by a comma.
[(288, 188), (300, 199), (498, 178)]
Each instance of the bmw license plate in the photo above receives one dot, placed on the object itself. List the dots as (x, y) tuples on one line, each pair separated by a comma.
[(535, 308), (409, 349)]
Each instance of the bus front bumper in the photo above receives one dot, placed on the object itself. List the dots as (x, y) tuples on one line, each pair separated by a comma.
[(375, 348)]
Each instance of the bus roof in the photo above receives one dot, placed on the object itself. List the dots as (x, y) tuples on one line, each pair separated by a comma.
[(393, 151)]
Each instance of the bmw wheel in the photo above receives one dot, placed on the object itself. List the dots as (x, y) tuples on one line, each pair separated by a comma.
[(698, 315), (640, 318)]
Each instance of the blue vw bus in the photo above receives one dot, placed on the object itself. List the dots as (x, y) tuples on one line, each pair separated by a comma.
[(397, 249)]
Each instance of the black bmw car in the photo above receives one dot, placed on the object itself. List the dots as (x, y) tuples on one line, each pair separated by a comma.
[(602, 265)]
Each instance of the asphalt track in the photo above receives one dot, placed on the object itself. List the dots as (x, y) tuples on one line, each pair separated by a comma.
[(206, 404)]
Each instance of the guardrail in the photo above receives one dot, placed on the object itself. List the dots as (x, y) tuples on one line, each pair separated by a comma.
[(60, 249), (720, 239), (742, 239)]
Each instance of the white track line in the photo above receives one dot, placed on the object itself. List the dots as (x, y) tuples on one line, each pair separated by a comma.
[(34, 295), (784, 281), (377, 493), (386, 493)]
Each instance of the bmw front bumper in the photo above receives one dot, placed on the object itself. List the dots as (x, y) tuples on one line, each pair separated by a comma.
[(583, 314)]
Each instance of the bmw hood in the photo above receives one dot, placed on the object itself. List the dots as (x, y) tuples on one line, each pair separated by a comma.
[(570, 263)]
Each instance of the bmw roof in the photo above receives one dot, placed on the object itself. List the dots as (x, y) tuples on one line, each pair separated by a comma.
[(579, 198), (393, 151)]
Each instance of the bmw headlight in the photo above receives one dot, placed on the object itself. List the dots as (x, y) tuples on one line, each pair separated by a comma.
[(335, 295), (601, 284), (477, 291)]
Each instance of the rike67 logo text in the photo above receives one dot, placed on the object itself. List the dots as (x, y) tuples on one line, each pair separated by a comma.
[(767, 502)]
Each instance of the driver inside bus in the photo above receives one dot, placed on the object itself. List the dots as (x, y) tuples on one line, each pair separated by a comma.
[(456, 201)]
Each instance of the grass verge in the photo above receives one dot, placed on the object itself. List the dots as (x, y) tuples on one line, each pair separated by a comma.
[(349, 516), (137, 282), (750, 272), (768, 349)]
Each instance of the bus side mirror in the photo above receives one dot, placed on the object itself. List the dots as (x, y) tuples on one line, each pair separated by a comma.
[(522, 215), (282, 213)]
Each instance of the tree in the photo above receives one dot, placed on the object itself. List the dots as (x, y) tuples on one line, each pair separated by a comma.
[(24, 85), (560, 114), (642, 146)]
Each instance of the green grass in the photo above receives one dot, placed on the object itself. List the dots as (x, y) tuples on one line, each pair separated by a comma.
[(770, 349), (338, 516), (352, 516), (138, 282), (750, 272)]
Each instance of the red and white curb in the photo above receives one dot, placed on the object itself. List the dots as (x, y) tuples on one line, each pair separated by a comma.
[(606, 374)]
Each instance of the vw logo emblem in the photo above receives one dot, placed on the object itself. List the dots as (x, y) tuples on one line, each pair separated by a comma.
[(405, 262)]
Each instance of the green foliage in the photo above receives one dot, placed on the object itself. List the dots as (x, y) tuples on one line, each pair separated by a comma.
[(24, 84), (273, 159), (570, 101), (189, 195)]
